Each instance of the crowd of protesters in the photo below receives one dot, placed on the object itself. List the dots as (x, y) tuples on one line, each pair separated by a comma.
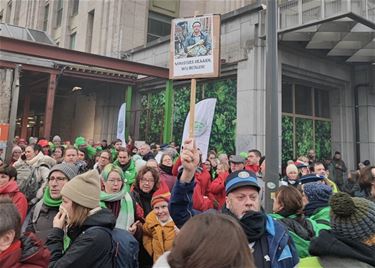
[(66, 204)]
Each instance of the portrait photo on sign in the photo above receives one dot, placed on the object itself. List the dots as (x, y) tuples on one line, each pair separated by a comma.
[(193, 37), (195, 46)]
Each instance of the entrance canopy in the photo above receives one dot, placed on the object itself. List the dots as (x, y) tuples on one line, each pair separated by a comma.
[(348, 36)]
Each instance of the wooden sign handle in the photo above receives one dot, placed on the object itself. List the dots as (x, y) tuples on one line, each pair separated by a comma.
[(192, 107)]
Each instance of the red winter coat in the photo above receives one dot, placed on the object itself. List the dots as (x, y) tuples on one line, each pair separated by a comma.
[(176, 165), (201, 195), (202, 199), (29, 249), (11, 189), (217, 188)]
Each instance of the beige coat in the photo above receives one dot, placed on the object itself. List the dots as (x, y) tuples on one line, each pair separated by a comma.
[(157, 238)]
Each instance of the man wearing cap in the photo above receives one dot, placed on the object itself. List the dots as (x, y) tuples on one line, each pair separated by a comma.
[(42, 214), (237, 162), (268, 240)]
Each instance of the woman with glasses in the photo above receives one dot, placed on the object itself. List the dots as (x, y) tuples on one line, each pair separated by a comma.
[(42, 214), (115, 197), (146, 184)]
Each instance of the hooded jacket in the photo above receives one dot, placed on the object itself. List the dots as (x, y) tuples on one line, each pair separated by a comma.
[(157, 238), (28, 252), (88, 248), (281, 249), (334, 251)]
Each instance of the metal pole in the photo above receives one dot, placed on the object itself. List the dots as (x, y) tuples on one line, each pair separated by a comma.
[(13, 109), (272, 111)]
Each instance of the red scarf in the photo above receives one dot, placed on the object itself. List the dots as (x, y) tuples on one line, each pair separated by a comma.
[(11, 255), (10, 187)]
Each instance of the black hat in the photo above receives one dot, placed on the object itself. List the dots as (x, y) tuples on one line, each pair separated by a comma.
[(312, 177), (239, 179)]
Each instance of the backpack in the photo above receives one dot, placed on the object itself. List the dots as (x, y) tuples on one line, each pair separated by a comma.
[(30, 186), (125, 247)]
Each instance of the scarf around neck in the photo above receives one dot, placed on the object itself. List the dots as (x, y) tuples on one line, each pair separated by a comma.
[(166, 169), (126, 215), (49, 201), (10, 187), (253, 223)]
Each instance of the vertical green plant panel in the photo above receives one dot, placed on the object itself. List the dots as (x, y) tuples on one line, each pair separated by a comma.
[(224, 123), (287, 139), (323, 139), (304, 136), (151, 121), (143, 117)]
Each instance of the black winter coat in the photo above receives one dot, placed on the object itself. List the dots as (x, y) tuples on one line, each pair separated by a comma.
[(91, 248), (335, 251)]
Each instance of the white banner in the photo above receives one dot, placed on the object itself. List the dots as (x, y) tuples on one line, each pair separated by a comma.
[(204, 114), (121, 124)]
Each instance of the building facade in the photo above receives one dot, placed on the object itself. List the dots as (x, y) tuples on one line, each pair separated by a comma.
[(326, 66)]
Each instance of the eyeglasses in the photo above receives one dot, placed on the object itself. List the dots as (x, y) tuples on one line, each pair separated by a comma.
[(114, 181), (58, 179), (103, 157), (147, 181)]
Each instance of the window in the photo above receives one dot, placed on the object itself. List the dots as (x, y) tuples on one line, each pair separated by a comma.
[(59, 13), (303, 100), (1, 15), (306, 121), (72, 44), (158, 25), (90, 28), (45, 20), (75, 7), (287, 98), (321, 103)]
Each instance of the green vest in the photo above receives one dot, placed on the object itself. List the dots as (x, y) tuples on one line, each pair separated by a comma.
[(309, 262)]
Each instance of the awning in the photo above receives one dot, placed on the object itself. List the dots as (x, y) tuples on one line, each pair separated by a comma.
[(348, 36)]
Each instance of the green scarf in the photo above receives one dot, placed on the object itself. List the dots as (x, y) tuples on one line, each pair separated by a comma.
[(126, 215), (49, 201)]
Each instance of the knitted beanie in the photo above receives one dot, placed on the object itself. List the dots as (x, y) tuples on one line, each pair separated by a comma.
[(84, 189), (157, 197), (316, 191), (352, 218), (56, 138), (291, 168), (69, 170), (16, 148)]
